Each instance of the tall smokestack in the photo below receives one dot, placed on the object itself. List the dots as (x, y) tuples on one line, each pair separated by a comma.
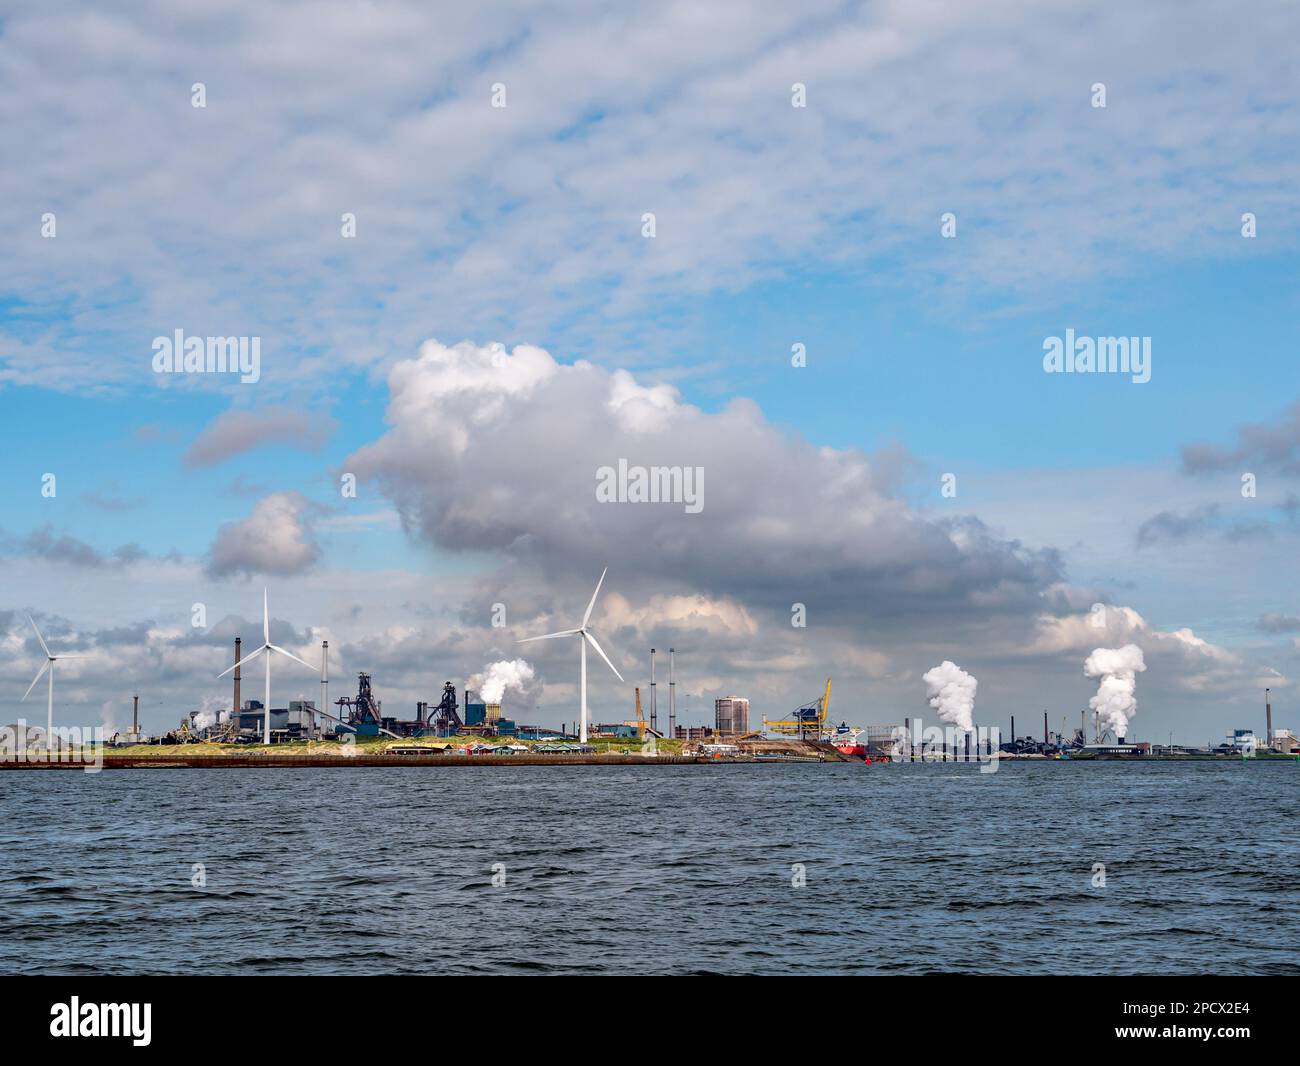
[(135, 717), (654, 707), (968, 747), (907, 734), (672, 695), (1013, 730), (235, 709), (1268, 719), (1044, 728), (324, 677)]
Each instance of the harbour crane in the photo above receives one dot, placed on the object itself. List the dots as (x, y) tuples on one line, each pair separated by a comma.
[(639, 722), (807, 721)]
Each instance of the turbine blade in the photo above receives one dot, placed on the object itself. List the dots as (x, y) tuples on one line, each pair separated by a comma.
[(244, 661), (600, 651), (587, 617), (548, 636), (39, 674), (266, 617), (39, 637), (289, 654)]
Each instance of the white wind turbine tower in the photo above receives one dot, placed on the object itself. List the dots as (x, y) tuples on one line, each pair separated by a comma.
[(584, 638), (266, 649), (50, 660)]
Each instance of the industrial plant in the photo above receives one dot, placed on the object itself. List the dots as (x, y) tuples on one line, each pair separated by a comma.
[(805, 733)]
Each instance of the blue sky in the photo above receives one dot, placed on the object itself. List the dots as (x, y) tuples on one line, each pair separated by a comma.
[(776, 225), (1225, 331)]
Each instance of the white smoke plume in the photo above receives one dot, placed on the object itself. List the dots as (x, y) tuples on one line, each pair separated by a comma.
[(1114, 702), (952, 694), (210, 713), (496, 678), (108, 718)]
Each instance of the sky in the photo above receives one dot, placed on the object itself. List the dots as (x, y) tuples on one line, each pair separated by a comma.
[(486, 253)]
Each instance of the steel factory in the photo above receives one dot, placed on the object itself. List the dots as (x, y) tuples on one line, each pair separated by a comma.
[(807, 732), (361, 715)]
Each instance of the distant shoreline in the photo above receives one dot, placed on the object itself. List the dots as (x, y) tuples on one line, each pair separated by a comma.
[(178, 758), (224, 761)]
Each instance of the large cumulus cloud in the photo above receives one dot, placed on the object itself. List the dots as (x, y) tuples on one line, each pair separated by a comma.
[(489, 449)]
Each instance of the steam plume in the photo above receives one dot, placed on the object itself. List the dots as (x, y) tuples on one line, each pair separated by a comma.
[(210, 713), (952, 694), (1114, 702), (492, 683)]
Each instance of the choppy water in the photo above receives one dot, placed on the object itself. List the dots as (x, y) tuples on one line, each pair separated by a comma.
[(909, 869)]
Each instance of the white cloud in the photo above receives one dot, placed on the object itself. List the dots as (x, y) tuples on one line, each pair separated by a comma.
[(526, 220), (783, 521), (1186, 661), (275, 539)]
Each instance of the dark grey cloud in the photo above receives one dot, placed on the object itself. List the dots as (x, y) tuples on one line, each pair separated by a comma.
[(53, 547), (1173, 526), (1278, 623), (1212, 520), (238, 431), (1260, 447)]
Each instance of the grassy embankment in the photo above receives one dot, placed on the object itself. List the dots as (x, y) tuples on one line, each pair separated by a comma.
[(374, 746)]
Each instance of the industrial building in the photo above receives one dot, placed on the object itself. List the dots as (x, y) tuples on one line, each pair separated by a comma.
[(694, 732), (482, 718), (731, 715), (1138, 750), (295, 722), (1278, 740), (882, 741), (1285, 741)]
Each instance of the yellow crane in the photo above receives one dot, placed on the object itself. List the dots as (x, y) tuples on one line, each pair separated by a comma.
[(808, 720)]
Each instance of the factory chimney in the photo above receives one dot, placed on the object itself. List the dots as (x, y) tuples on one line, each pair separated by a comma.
[(1268, 719), (135, 717), (654, 708), (907, 732), (1013, 732), (672, 695), (1044, 729), (324, 676), (235, 709)]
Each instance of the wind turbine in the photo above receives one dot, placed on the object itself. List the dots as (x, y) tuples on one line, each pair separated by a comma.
[(584, 638), (266, 649), (50, 660)]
